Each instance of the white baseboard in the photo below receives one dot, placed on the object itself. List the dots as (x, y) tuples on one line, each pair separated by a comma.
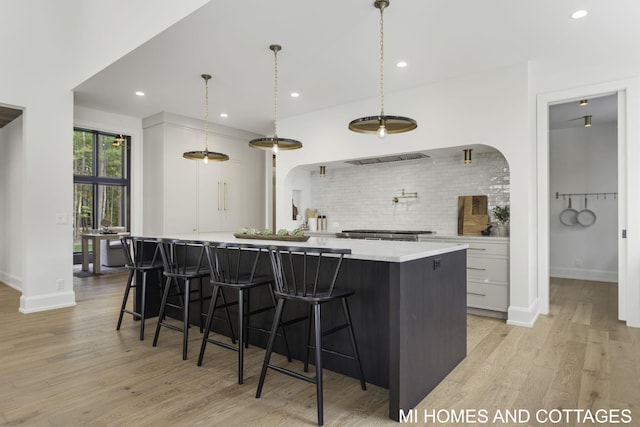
[(523, 316), (584, 274), (47, 302), (11, 281)]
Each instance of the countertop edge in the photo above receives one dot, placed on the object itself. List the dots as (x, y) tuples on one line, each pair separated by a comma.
[(367, 250)]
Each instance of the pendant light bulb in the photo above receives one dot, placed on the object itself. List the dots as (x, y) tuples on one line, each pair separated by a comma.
[(206, 159), (275, 146), (382, 131)]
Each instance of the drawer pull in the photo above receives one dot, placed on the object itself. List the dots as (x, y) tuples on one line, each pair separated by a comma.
[(477, 249), (476, 293), (476, 268)]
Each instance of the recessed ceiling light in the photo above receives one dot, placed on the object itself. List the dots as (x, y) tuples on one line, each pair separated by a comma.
[(401, 64), (139, 93), (295, 94), (579, 14), (224, 115)]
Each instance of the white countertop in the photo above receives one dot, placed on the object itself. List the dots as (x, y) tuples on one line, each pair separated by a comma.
[(459, 237), (371, 250)]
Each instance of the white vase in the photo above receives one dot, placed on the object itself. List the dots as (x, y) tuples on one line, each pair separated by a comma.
[(503, 230)]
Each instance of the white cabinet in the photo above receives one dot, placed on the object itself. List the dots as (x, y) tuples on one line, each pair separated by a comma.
[(487, 273), (184, 196)]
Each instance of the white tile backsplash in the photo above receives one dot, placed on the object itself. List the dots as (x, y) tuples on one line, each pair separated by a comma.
[(361, 196)]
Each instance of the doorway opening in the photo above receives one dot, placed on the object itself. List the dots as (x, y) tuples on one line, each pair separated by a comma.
[(626, 91), (583, 183)]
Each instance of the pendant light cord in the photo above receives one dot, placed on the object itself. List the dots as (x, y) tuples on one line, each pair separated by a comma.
[(206, 113), (275, 95), (382, 60)]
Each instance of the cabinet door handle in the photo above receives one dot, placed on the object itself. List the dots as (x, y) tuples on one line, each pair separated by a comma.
[(477, 249), (476, 268), (477, 293), (219, 194), (225, 196)]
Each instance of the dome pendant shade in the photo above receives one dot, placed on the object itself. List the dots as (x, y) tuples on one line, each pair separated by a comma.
[(206, 155), (393, 124), (275, 143), (382, 124)]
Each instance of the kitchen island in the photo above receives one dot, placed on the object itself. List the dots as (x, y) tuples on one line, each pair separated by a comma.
[(408, 312)]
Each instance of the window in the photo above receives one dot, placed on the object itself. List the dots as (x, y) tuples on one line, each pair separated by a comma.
[(101, 171)]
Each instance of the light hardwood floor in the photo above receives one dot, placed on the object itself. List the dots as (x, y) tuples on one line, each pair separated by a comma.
[(70, 367)]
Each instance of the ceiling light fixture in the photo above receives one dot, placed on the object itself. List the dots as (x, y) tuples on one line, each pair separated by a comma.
[(584, 102), (206, 155), (401, 64), (323, 171), (139, 93), (382, 125), (275, 143), (578, 14), (224, 115), (587, 121), (467, 156), (295, 95)]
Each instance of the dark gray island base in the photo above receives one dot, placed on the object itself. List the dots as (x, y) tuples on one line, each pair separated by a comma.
[(409, 317)]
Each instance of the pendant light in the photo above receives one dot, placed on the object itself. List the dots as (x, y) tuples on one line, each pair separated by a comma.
[(206, 155), (467, 156), (382, 124), (275, 143)]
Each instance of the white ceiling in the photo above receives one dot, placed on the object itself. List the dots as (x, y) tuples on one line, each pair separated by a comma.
[(331, 52)]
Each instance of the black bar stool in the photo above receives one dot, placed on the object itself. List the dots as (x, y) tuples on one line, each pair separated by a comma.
[(141, 256), (233, 267), (183, 263), (308, 275)]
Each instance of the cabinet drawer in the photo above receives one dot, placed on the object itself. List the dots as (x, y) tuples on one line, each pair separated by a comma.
[(487, 269), (487, 296), (487, 248)]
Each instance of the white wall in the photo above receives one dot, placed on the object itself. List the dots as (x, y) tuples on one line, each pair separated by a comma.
[(45, 60), (584, 160), (11, 197), (361, 196), (490, 108)]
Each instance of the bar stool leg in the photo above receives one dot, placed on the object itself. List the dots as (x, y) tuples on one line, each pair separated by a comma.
[(356, 353), (318, 354), (207, 328), (201, 304), (143, 301), (163, 306), (309, 334), (272, 340), (124, 299), (241, 333), (185, 326)]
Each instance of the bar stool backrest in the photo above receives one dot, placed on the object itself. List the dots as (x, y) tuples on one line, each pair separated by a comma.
[(233, 263), (182, 257), (306, 271), (141, 252)]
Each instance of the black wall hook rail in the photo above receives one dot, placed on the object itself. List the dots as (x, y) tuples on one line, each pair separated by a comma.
[(604, 195)]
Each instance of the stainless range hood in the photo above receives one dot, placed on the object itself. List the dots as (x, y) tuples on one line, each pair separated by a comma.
[(387, 159)]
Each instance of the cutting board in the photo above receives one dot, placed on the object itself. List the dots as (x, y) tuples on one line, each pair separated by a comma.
[(472, 215)]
